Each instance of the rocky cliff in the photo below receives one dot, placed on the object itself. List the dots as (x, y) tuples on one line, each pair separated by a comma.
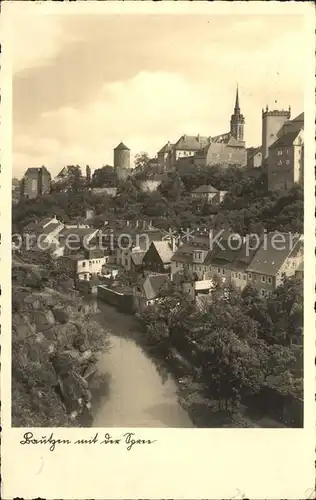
[(54, 345)]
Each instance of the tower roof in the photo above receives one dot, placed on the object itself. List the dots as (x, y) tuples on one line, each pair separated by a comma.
[(122, 146), (237, 100)]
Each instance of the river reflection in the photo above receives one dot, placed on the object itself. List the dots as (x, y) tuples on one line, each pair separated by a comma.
[(138, 396)]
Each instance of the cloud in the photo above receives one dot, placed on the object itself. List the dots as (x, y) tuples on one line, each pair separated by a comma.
[(87, 83)]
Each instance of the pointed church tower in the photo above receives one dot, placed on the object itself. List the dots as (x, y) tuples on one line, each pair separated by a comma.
[(237, 121)]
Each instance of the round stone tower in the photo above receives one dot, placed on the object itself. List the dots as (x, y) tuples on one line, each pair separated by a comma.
[(122, 161)]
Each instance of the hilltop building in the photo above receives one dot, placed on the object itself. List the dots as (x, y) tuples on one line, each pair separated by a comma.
[(122, 161), (208, 194), (254, 157), (36, 182), (224, 149), (286, 156)]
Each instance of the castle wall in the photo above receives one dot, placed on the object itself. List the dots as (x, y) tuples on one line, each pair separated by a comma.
[(219, 153)]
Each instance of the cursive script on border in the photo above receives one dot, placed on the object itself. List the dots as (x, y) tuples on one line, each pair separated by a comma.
[(129, 440)]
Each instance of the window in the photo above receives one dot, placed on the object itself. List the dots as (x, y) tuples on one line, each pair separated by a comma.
[(254, 278), (280, 162), (262, 292), (269, 280), (83, 264), (244, 277), (287, 151), (263, 279), (219, 270), (233, 274), (239, 276), (223, 271), (250, 276), (280, 152)]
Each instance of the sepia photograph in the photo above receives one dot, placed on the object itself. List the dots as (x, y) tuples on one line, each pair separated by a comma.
[(157, 250), (158, 221)]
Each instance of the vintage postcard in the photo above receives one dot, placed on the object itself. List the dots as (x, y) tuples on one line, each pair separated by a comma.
[(157, 257)]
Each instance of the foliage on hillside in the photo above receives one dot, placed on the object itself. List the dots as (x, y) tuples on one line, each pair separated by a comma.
[(247, 207), (237, 340)]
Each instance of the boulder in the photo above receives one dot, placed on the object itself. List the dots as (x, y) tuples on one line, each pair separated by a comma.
[(47, 299), (43, 320), (22, 326), (33, 279), (60, 315), (32, 301), (65, 334)]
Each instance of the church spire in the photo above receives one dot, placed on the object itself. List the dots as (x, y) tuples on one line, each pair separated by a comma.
[(237, 121), (237, 108)]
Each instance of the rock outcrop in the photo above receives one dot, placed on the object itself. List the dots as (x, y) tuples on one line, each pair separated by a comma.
[(54, 344)]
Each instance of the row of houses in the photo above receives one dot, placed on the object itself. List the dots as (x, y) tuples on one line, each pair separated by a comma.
[(142, 251)]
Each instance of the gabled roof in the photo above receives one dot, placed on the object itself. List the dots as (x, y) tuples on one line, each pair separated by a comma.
[(285, 140), (121, 146), (137, 258), (164, 251), (222, 138), (167, 147), (94, 253), (153, 284), (272, 253), (251, 152), (52, 226), (43, 226), (205, 189), (183, 254), (298, 118), (230, 253), (80, 232), (191, 143), (32, 170)]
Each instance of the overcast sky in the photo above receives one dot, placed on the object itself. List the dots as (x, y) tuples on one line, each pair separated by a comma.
[(82, 84)]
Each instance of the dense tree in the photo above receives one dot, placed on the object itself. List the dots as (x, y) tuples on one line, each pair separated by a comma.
[(104, 177), (172, 187), (141, 162), (285, 308)]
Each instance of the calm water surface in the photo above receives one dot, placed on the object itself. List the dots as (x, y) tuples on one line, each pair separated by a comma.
[(138, 395)]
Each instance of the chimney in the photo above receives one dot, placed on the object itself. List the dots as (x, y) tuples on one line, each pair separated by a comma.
[(144, 224), (137, 223), (173, 245), (89, 213)]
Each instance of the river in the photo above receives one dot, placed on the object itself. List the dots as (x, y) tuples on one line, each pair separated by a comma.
[(137, 395)]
